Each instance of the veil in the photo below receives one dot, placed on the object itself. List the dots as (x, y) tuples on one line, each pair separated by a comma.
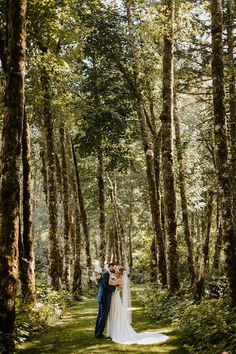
[(126, 297)]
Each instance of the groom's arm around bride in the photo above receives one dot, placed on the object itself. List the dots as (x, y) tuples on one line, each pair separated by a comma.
[(104, 300)]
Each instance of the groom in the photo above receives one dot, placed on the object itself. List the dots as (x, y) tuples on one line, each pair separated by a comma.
[(104, 300)]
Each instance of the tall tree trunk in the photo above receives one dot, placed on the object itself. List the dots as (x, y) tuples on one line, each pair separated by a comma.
[(83, 215), (167, 160), (10, 166), (232, 99), (101, 199), (184, 204), (200, 281), (55, 263), (77, 276), (27, 275), (149, 156), (65, 194), (221, 149)]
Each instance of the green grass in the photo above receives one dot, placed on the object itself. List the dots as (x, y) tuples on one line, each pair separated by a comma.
[(74, 334)]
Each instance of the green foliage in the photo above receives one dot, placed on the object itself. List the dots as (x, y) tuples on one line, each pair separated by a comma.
[(206, 328), (32, 318), (209, 327)]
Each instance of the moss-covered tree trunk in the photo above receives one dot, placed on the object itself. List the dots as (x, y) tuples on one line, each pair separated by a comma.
[(101, 200), (198, 291), (65, 196), (167, 159), (231, 16), (55, 263), (221, 148), (148, 150), (77, 274), (27, 275), (10, 168), (184, 204)]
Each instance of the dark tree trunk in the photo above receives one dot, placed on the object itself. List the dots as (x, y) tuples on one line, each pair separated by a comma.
[(65, 195), (221, 149), (83, 216), (27, 275), (230, 15), (167, 160), (10, 167), (55, 263), (77, 276), (149, 156), (184, 204), (205, 252), (101, 199)]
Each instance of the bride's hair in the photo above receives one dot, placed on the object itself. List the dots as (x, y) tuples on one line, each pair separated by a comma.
[(121, 270)]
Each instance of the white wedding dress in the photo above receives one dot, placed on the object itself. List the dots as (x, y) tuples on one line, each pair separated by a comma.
[(119, 329)]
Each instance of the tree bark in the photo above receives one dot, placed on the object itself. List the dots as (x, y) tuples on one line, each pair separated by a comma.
[(221, 149), (55, 263), (10, 168), (184, 204), (230, 15), (101, 199), (77, 276), (65, 195), (27, 275), (200, 281), (149, 156), (167, 159)]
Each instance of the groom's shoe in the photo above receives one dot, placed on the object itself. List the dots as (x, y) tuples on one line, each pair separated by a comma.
[(108, 338), (101, 336)]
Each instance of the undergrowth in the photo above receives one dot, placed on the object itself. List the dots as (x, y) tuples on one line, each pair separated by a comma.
[(206, 328)]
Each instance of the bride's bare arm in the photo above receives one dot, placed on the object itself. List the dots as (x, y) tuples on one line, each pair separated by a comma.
[(115, 282)]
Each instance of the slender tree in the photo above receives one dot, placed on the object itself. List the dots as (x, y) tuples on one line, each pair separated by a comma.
[(198, 291), (77, 274), (221, 148), (27, 275), (101, 208), (167, 160), (55, 263), (65, 187), (10, 166), (84, 221)]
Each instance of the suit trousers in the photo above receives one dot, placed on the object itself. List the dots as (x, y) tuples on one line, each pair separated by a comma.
[(103, 311)]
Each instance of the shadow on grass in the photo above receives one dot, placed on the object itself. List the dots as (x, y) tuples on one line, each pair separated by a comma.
[(74, 334)]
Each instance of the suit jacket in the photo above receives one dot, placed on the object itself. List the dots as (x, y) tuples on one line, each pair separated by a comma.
[(105, 290)]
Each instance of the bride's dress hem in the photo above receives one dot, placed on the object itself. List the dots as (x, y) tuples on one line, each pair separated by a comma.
[(121, 332)]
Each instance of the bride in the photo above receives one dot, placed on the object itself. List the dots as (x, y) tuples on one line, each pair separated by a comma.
[(118, 326)]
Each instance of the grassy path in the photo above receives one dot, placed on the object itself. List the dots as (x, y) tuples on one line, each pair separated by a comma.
[(74, 334)]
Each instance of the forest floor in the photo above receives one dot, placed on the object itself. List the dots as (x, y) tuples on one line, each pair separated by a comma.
[(74, 334)]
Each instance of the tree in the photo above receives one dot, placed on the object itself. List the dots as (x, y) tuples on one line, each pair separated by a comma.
[(10, 163), (27, 275), (167, 160), (221, 148)]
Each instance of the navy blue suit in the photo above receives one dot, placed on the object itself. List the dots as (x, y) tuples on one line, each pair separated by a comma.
[(104, 301)]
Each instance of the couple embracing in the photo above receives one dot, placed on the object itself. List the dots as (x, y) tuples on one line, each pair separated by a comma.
[(112, 312)]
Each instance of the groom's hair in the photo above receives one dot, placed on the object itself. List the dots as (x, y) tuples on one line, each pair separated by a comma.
[(111, 264)]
